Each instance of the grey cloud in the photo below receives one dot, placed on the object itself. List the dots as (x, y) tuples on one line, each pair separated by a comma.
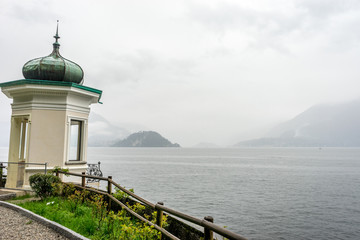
[(120, 67), (218, 52), (230, 16), (265, 27), (324, 9), (233, 17), (192, 68), (142, 65), (271, 29), (32, 12), (221, 18)]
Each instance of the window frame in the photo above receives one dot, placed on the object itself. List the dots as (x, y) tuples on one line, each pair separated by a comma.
[(81, 140)]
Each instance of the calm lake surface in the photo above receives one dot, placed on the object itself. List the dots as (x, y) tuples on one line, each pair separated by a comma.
[(260, 193)]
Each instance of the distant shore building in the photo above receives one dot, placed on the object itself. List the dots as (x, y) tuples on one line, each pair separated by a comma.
[(49, 121)]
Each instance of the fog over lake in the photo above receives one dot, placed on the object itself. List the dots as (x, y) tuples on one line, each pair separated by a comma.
[(218, 71)]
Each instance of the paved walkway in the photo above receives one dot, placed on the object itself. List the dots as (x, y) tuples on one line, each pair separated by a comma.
[(13, 225)]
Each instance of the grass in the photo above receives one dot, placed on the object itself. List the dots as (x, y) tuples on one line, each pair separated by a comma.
[(89, 217), (27, 195)]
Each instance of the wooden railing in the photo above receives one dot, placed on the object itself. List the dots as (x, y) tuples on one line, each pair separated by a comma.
[(206, 223)]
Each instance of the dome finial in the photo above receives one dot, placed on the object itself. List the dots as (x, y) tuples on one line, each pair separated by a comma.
[(56, 44), (53, 67)]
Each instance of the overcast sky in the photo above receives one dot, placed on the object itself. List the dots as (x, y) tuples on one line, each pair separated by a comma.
[(195, 71)]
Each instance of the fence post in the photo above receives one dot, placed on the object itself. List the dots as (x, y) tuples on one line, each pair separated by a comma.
[(159, 217), (83, 179), (45, 167), (109, 191), (209, 235), (1, 175)]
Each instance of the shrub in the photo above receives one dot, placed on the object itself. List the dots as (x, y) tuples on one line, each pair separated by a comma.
[(45, 185), (120, 195), (68, 189), (57, 168)]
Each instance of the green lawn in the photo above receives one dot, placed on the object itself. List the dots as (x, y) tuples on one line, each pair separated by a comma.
[(87, 215)]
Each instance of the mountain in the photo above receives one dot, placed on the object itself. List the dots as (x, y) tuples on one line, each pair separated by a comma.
[(145, 139), (279, 142), (332, 125), (102, 133)]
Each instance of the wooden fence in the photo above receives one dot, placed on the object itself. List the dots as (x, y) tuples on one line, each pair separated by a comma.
[(206, 223)]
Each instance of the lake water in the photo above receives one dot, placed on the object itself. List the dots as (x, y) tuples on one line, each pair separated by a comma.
[(260, 193)]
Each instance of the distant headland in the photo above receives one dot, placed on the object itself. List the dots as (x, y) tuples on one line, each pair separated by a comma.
[(145, 139)]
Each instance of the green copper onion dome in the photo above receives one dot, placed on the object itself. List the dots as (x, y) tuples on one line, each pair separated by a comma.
[(53, 67)]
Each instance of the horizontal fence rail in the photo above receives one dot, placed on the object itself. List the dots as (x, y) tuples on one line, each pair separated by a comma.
[(27, 163), (206, 223), (133, 195), (3, 176)]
